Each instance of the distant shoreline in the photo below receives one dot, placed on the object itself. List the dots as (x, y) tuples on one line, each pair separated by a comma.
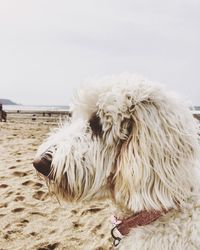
[(35, 107)]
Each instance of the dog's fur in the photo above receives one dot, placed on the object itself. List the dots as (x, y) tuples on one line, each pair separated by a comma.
[(133, 142)]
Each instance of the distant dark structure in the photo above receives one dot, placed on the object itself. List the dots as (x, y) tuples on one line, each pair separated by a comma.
[(7, 102), (3, 114), (197, 108)]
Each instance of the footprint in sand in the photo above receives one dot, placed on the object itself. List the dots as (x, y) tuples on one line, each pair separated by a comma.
[(38, 185), (33, 233), (73, 239), (19, 198), (53, 231), (11, 233), (2, 205), (17, 210), (38, 213), (77, 225), (40, 195), (13, 167), (91, 210), (96, 228), (32, 183), (22, 223), (3, 186), (19, 174), (49, 246), (9, 194), (74, 211), (102, 235), (28, 183)]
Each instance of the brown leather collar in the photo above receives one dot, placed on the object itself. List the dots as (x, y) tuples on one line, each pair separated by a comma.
[(140, 219)]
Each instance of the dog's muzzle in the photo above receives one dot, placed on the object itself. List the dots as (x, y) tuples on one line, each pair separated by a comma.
[(43, 164)]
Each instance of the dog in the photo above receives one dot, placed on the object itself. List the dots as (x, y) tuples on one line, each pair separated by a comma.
[(134, 142)]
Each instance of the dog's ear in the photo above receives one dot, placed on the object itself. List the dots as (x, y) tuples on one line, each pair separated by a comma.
[(95, 124), (155, 167)]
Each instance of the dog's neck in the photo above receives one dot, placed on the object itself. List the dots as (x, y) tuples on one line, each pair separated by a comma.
[(140, 219)]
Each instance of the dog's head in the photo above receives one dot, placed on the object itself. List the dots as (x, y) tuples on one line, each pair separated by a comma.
[(129, 140)]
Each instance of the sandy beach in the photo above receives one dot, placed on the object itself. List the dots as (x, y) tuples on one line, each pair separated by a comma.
[(29, 217)]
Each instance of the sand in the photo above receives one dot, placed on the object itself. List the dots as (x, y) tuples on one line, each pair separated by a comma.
[(29, 217)]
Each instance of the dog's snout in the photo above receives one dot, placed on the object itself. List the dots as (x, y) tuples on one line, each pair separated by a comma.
[(43, 164)]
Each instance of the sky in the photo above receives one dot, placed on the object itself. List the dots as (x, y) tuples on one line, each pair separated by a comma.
[(49, 47)]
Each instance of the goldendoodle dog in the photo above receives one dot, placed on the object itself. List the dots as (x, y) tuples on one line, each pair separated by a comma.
[(137, 144)]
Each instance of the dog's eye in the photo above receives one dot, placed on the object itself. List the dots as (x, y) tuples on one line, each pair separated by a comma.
[(95, 125)]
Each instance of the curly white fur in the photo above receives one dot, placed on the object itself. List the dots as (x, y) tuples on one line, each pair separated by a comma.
[(134, 142)]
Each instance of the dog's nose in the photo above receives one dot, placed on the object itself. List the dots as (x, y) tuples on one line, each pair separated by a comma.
[(43, 164)]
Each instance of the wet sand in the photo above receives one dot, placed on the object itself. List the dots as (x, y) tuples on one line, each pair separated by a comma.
[(29, 217)]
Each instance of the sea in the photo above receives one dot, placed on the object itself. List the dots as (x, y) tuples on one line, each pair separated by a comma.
[(35, 107)]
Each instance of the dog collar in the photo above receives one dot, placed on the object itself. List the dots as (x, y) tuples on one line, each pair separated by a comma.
[(123, 227)]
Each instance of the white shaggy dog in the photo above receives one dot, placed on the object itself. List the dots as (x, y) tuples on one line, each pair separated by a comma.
[(133, 142)]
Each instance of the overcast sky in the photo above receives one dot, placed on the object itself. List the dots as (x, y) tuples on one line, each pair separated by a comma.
[(48, 47)]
